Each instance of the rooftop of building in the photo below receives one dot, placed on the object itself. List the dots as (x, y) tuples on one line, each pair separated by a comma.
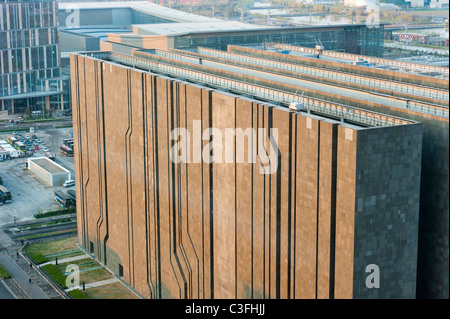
[(277, 98), (173, 29), (101, 32), (141, 6), (419, 93), (48, 165), (364, 61)]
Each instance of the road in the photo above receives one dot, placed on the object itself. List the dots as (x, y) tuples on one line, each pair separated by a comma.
[(22, 278), (21, 272), (15, 233), (4, 293), (39, 125)]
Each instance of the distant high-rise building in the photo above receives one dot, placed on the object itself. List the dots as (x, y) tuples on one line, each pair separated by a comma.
[(30, 58)]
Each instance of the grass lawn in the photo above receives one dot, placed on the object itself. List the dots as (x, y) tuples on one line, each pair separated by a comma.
[(90, 270), (53, 247), (4, 273), (112, 291)]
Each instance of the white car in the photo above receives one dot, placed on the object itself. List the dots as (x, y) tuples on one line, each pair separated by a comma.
[(69, 183), (45, 149)]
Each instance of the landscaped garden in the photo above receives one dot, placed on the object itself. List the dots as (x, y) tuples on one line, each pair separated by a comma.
[(63, 260)]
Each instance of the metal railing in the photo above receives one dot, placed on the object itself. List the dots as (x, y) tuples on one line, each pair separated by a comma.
[(321, 107), (375, 60), (330, 75), (417, 106)]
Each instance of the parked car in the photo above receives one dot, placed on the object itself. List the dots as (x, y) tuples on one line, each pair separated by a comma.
[(36, 147), (69, 183), (45, 149)]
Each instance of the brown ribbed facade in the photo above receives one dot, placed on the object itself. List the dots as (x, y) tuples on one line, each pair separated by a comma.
[(224, 230)]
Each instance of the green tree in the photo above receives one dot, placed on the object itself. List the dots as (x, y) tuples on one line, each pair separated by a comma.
[(27, 112)]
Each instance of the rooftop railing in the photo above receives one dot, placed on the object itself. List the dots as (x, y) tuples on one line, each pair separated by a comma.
[(320, 107)]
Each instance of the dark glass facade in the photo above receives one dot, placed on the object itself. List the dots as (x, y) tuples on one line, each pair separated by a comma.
[(357, 39), (29, 54)]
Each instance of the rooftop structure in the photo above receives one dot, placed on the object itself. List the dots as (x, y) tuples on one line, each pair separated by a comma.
[(48, 171), (125, 13), (177, 29), (434, 72)]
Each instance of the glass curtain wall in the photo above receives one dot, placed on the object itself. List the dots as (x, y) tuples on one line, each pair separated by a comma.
[(29, 48)]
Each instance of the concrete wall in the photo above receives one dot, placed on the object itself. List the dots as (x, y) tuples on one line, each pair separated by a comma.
[(76, 41), (47, 176), (387, 210), (96, 17), (44, 175), (433, 254), (224, 230)]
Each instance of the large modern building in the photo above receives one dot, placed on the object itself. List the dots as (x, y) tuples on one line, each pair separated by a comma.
[(425, 99), (333, 191), (122, 26), (30, 57)]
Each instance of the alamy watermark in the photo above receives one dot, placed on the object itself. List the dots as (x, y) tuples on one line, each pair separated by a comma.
[(73, 276), (373, 279), (73, 19), (230, 145)]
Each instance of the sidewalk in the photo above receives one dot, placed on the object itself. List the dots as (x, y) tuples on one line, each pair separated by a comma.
[(64, 260), (21, 273), (32, 290), (96, 284)]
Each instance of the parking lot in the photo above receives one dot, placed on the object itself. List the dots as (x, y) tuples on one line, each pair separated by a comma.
[(29, 194)]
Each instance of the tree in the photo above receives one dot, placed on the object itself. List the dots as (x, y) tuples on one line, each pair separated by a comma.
[(27, 112)]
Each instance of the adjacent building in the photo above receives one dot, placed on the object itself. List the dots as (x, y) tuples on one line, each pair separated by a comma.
[(30, 57), (124, 26)]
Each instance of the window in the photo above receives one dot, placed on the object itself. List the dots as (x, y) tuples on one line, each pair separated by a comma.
[(49, 55), (2, 86), (3, 40), (35, 58), (43, 36), (120, 270)]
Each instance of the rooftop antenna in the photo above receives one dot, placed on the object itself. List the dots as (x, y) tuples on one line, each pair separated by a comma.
[(297, 105)]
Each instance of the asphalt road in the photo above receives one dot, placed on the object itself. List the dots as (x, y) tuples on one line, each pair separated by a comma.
[(4, 293), (42, 230), (30, 195), (41, 125)]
